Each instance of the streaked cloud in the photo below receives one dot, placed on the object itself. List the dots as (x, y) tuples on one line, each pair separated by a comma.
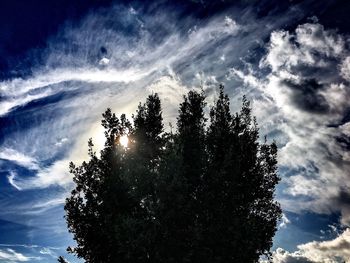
[(9, 255), (104, 68), (19, 158)]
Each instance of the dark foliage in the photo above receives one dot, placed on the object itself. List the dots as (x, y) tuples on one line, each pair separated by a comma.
[(61, 260), (197, 195)]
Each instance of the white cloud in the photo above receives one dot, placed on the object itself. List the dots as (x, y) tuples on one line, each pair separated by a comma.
[(287, 50), (248, 79), (331, 251), (9, 255), (61, 142), (336, 250), (44, 205), (103, 61), (19, 91), (284, 221), (307, 88), (345, 68), (56, 174), (48, 251), (11, 179), (19, 158), (283, 256), (19, 100), (231, 25), (170, 91)]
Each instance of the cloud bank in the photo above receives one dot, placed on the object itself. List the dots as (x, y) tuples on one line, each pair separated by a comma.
[(332, 251), (307, 91)]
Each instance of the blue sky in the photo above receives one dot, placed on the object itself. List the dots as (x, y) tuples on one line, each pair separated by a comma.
[(63, 63)]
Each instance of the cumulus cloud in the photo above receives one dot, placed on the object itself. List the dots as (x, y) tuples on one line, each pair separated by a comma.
[(283, 256), (308, 91), (345, 68), (328, 251), (332, 251)]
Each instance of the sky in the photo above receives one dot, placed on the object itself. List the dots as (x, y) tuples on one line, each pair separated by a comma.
[(64, 62)]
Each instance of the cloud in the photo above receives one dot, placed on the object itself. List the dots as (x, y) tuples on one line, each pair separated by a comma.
[(307, 93), (38, 253), (48, 251), (61, 142), (19, 158), (44, 205), (284, 221), (310, 45), (328, 251), (345, 68), (171, 90), (332, 251), (19, 92), (283, 256), (103, 61), (57, 174), (11, 179), (9, 255), (95, 65)]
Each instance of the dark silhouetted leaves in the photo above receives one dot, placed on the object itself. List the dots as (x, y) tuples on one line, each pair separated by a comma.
[(197, 195)]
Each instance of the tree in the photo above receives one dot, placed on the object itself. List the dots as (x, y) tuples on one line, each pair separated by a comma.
[(144, 152), (183, 169), (197, 195), (240, 211), (102, 208)]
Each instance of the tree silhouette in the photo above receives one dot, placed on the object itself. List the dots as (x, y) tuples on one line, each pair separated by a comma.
[(197, 195), (61, 260)]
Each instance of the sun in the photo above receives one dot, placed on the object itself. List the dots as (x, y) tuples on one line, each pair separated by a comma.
[(123, 140)]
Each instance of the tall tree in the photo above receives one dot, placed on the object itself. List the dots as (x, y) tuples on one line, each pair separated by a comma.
[(219, 185), (197, 195), (240, 182), (146, 145), (101, 208), (186, 151)]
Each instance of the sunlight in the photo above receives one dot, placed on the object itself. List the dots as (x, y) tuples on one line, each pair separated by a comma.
[(124, 140)]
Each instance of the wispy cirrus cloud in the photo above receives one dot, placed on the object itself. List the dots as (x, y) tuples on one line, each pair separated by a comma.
[(9, 255), (19, 158), (137, 62), (35, 253)]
